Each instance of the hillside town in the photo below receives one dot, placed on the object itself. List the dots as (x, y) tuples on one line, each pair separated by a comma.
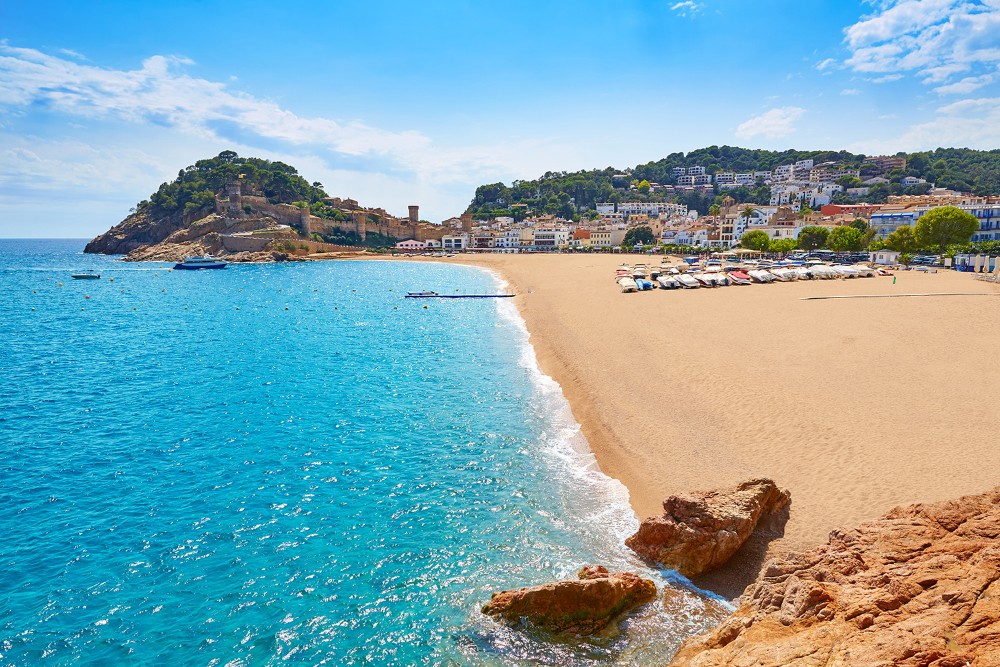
[(803, 195)]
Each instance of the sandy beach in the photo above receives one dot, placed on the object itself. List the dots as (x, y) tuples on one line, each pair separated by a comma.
[(854, 405)]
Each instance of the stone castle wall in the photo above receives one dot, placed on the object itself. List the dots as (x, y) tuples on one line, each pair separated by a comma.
[(399, 228)]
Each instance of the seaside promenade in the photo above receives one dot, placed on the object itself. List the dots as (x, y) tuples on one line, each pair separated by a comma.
[(854, 405)]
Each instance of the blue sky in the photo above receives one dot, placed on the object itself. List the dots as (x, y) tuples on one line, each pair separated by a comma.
[(418, 103)]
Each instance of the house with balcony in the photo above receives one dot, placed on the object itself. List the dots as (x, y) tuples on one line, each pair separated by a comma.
[(455, 241)]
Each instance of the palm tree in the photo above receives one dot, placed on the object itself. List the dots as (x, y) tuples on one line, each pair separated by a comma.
[(747, 212)]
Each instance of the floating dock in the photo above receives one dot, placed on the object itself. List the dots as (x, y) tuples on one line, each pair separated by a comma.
[(435, 295)]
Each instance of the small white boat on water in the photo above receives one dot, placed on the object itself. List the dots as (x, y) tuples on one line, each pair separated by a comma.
[(687, 280), (627, 283), (200, 263), (761, 276)]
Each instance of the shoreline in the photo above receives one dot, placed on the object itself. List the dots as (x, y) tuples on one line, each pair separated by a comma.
[(855, 405)]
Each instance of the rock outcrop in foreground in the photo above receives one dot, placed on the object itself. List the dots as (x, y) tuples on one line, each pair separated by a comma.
[(700, 531), (583, 606), (918, 587)]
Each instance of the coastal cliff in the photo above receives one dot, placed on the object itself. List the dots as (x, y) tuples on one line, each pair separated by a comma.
[(919, 586), (138, 229)]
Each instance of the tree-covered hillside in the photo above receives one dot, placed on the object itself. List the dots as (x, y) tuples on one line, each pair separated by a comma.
[(575, 194), (196, 186)]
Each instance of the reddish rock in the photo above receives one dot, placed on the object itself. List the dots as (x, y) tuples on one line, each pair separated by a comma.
[(918, 587), (700, 531), (583, 606)]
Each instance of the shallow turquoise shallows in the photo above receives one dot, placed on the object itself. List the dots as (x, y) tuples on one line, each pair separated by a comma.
[(274, 464)]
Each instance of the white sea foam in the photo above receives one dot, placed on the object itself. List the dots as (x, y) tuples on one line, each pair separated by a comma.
[(599, 501)]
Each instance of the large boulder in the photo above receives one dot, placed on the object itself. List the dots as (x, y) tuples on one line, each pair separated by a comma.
[(918, 587), (700, 531), (583, 606)]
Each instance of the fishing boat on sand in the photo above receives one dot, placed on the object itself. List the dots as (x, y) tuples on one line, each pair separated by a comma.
[(739, 278), (687, 281)]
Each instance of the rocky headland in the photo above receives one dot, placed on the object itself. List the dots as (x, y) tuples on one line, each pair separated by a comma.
[(142, 237), (253, 210)]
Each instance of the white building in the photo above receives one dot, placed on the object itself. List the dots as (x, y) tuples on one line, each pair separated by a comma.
[(679, 171), (885, 257), (652, 208), (696, 171), (455, 241), (552, 237), (685, 180), (745, 179), (411, 245), (703, 179), (783, 173), (725, 178)]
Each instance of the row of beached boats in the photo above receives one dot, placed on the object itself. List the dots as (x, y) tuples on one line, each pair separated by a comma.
[(683, 276)]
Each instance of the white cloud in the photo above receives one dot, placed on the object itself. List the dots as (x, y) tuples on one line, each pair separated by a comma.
[(888, 78), (935, 39), (850, 91), (773, 124), (973, 123), (687, 8), (826, 64), (966, 85), (160, 94)]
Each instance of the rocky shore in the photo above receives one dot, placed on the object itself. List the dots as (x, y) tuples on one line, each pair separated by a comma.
[(918, 587), (142, 238)]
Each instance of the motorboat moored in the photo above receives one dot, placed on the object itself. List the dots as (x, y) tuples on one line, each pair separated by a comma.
[(85, 276), (203, 262)]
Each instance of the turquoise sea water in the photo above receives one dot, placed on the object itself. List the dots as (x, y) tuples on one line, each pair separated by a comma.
[(290, 463)]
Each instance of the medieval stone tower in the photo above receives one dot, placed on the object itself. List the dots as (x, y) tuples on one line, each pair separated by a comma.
[(414, 214), (235, 207), (360, 223)]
